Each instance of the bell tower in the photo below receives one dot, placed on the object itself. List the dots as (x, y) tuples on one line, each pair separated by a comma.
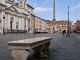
[(22, 3)]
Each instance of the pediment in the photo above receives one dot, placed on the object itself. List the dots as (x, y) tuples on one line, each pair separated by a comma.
[(12, 8)]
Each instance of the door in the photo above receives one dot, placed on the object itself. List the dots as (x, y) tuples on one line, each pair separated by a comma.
[(11, 24)]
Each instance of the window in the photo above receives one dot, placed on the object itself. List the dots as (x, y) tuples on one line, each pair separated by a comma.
[(0, 20), (29, 22), (11, 18), (17, 25), (25, 22), (11, 23)]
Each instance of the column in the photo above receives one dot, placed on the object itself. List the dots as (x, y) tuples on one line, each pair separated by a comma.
[(3, 22)]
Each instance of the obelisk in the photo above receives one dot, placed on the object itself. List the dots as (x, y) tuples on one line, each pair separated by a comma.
[(54, 10)]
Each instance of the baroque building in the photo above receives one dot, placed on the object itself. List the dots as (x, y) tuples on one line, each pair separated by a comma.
[(15, 17), (77, 26), (59, 26), (39, 25)]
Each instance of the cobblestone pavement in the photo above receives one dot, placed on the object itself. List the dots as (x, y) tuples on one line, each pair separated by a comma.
[(67, 48), (63, 48), (4, 39)]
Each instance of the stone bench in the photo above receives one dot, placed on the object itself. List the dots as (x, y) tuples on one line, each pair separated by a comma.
[(21, 49)]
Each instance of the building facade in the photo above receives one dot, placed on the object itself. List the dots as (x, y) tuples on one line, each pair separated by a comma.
[(58, 26), (44, 26), (39, 25), (15, 17), (77, 26), (19, 17), (49, 26)]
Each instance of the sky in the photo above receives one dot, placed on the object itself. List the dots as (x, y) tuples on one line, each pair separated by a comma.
[(44, 9)]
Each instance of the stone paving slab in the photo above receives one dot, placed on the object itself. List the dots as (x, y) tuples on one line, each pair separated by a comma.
[(62, 47)]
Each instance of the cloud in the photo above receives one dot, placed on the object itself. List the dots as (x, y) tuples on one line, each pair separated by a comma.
[(35, 4), (76, 7), (42, 9)]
